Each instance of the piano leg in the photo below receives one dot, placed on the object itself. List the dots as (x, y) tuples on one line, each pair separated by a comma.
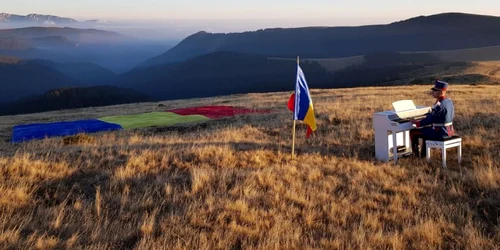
[(406, 139), (395, 146)]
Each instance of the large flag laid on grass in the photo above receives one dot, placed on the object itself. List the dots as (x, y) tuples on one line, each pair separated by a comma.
[(301, 103), (30, 132)]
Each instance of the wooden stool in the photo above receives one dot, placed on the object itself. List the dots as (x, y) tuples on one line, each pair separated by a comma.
[(443, 144)]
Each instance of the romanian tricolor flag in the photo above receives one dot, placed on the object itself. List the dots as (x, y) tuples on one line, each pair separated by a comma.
[(30, 132), (301, 103)]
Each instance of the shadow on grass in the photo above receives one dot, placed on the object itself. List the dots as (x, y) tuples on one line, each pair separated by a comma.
[(86, 187)]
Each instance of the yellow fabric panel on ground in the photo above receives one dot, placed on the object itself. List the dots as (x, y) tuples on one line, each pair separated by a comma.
[(152, 119)]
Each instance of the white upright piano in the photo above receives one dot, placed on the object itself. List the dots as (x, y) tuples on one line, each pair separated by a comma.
[(392, 129)]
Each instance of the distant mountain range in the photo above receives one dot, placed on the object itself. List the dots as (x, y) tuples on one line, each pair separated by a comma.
[(70, 45), (20, 43), (36, 19), (88, 74), (37, 85), (24, 78), (39, 59), (448, 31), (73, 34), (21, 79), (206, 64), (227, 72)]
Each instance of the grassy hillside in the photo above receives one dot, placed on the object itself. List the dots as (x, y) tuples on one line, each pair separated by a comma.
[(224, 73), (451, 66), (467, 55), (9, 60), (218, 73), (484, 54), (8, 43), (72, 98), (89, 74), (458, 73), (21, 79), (231, 184), (447, 31)]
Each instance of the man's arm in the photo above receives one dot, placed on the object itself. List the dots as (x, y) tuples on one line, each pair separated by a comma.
[(436, 112)]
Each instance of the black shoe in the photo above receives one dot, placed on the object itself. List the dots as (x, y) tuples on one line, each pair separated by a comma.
[(423, 153)]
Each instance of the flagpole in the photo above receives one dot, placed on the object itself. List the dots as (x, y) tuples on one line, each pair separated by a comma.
[(293, 140), (294, 122)]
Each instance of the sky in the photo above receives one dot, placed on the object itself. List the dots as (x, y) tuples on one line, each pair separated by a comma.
[(185, 16)]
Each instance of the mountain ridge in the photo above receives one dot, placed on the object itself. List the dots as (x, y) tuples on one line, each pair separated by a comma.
[(25, 78), (40, 19), (75, 34), (109, 49), (449, 31)]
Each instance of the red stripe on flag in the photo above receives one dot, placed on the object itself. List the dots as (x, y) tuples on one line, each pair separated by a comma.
[(291, 107), (291, 103), (309, 132)]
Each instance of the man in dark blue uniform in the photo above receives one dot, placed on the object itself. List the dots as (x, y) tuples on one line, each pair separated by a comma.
[(438, 124)]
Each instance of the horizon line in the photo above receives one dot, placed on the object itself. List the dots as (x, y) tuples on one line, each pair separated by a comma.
[(84, 19)]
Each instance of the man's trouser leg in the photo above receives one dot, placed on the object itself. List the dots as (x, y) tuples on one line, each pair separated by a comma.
[(424, 134), (415, 135)]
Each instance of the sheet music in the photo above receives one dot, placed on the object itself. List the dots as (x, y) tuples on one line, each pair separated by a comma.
[(403, 105)]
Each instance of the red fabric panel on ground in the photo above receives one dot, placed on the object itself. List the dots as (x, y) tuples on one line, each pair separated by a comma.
[(214, 112)]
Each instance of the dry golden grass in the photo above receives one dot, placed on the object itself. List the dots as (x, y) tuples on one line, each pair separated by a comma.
[(487, 72), (467, 55), (231, 184)]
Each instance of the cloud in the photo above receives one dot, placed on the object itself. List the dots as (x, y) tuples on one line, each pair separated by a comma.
[(49, 23)]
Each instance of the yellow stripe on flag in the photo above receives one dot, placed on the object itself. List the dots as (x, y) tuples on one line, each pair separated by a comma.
[(310, 119)]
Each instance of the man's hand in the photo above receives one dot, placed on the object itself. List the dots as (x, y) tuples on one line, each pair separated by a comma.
[(415, 122)]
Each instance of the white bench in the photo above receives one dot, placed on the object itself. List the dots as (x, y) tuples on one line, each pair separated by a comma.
[(446, 143)]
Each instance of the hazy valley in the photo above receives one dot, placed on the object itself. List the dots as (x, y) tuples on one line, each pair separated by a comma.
[(47, 58)]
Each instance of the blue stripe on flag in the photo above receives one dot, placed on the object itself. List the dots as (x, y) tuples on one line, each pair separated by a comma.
[(302, 96)]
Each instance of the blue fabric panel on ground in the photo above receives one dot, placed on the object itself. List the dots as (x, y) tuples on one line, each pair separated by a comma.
[(40, 131)]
